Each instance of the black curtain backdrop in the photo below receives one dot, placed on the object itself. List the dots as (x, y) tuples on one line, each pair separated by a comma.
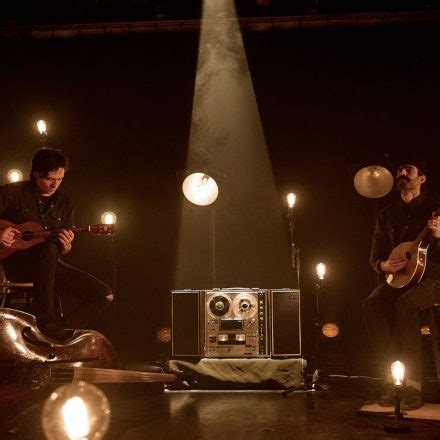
[(120, 108)]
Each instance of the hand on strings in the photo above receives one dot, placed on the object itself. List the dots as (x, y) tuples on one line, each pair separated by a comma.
[(434, 225), (7, 236), (66, 237), (393, 265)]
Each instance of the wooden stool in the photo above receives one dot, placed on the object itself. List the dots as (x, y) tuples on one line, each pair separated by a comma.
[(10, 289)]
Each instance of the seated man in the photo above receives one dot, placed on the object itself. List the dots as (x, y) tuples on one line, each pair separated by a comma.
[(40, 199), (397, 223)]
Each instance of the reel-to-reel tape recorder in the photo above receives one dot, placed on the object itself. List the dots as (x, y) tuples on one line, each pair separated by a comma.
[(235, 323)]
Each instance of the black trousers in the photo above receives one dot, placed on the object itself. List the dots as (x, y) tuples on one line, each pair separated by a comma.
[(393, 321), (83, 296)]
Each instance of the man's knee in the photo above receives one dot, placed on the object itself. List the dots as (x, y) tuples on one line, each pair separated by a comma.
[(405, 308), (370, 305), (48, 249)]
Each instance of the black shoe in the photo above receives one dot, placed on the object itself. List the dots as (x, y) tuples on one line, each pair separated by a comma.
[(55, 331), (387, 396), (412, 399)]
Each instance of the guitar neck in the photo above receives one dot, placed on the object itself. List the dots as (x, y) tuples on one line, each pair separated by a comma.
[(54, 232), (104, 375), (425, 232)]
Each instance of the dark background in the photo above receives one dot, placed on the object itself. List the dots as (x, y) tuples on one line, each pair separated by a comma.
[(331, 101)]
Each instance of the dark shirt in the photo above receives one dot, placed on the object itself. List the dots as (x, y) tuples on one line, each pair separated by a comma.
[(402, 222), (21, 202)]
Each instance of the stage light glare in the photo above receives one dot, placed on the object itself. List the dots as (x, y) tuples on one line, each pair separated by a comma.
[(108, 218), (164, 335), (77, 411), (14, 175), (425, 330), (320, 270), (330, 330), (398, 372), (41, 126), (291, 200), (200, 189)]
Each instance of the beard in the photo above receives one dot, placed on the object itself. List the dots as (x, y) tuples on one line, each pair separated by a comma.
[(404, 183)]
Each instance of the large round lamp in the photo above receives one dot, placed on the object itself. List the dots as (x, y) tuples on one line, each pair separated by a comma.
[(373, 181), (200, 189)]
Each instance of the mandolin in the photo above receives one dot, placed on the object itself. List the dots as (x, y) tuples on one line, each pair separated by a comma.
[(32, 233), (416, 254)]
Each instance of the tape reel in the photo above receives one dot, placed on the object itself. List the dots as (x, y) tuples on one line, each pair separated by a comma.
[(219, 306), (245, 305)]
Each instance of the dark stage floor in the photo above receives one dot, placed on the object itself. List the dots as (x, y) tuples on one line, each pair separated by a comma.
[(242, 415)]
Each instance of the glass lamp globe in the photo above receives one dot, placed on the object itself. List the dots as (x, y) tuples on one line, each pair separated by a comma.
[(373, 181), (108, 218), (330, 330), (14, 175), (77, 411), (200, 189)]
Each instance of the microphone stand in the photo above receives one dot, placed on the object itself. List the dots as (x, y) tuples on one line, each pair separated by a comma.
[(317, 374), (296, 266), (114, 268), (294, 250)]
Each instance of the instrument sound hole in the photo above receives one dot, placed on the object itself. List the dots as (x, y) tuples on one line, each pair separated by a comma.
[(408, 255), (26, 236)]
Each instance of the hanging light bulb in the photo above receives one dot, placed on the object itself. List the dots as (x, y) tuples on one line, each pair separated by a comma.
[(291, 200), (200, 189)]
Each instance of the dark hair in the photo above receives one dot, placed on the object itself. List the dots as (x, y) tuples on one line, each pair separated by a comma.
[(415, 160), (46, 160)]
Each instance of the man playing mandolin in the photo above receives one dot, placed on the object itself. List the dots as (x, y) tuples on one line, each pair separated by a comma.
[(396, 224), (41, 200)]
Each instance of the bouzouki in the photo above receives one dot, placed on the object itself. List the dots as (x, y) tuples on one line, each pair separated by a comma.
[(32, 233), (415, 252)]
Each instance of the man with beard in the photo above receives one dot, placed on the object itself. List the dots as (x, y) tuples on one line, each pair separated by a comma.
[(392, 316)]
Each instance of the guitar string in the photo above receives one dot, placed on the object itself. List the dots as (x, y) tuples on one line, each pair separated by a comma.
[(90, 372)]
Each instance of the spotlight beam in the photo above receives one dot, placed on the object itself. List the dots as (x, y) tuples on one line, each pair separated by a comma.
[(227, 136)]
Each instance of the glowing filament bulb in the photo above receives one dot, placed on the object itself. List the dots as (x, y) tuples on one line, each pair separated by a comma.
[(320, 270), (41, 125), (76, 418), (398, 372), (108, 218), (291, 199)]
